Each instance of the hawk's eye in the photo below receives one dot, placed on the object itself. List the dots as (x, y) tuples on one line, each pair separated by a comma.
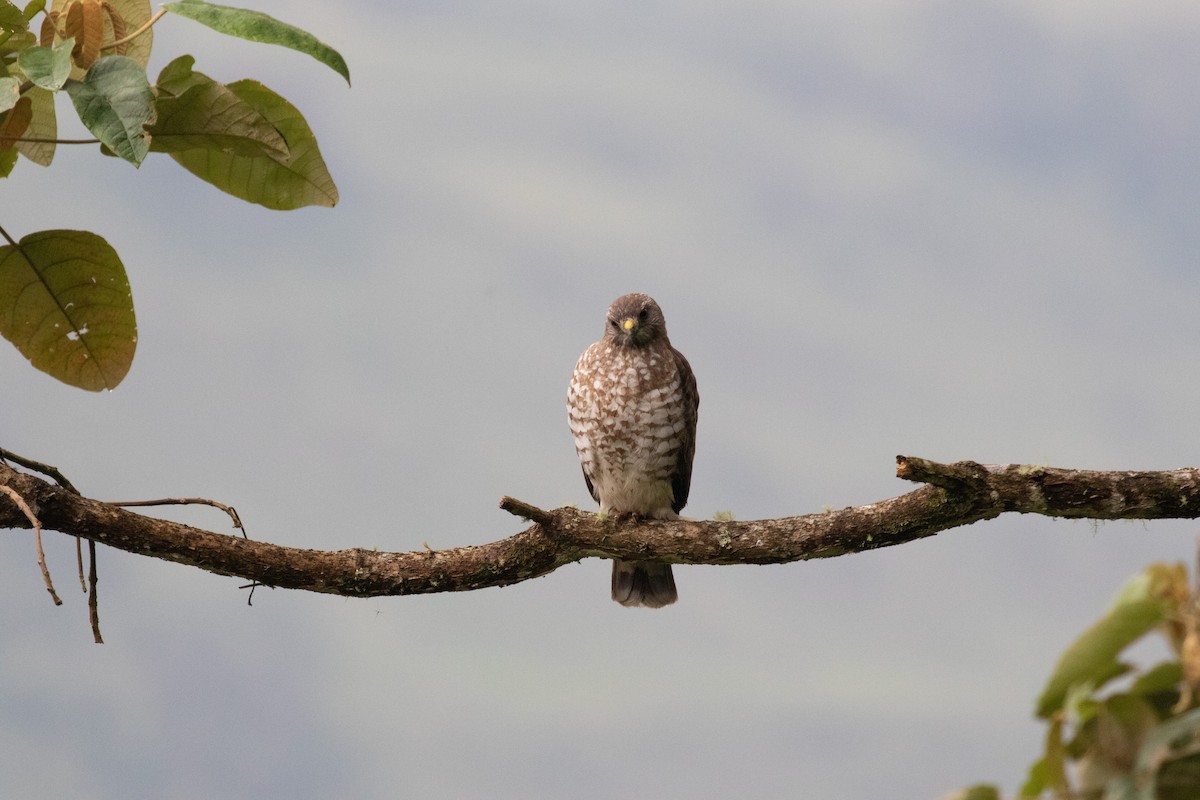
[(613, 322), (643, 314)]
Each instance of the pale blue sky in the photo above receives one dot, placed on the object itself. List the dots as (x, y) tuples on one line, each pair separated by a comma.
[(946, 230)]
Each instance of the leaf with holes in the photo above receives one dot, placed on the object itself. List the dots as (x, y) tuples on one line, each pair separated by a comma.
[(114, 100), (258, 27), (66, 305)]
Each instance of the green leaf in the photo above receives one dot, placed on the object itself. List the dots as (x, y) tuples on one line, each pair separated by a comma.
[(114, 100), (1178, 779), (1167, 761), (1049, 771), (1121, 725), (43, 126), (1035, 781), (258, 27), (8, 160), (32, 8), (980, 791), (208, 115), (282, 183), (1118, 788), (66, 305), (1164, 677), (1092, 658), (178, 76), (11, 18), (13, 125), (10, 93), (47, 67), (16, 42)]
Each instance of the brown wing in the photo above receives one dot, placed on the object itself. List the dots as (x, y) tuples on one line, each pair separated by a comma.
[(579, 381), (588, 480), (681, 478)]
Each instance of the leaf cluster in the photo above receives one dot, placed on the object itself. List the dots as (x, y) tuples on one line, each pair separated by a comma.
[(1140, 741), (65, 301)]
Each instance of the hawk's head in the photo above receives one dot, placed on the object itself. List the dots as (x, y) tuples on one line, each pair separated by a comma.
[(635, 320)]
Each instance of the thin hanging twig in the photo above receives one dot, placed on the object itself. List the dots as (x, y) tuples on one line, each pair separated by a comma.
[(79, 563), (93, 601), (61, 480), (37, 535)]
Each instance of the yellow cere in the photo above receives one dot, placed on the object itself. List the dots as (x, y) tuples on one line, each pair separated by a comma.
[(629, 323)]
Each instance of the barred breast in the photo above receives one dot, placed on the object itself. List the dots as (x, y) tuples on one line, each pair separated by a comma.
[(627, 414)]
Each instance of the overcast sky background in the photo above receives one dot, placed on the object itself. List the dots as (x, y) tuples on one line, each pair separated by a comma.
[(958, 231)]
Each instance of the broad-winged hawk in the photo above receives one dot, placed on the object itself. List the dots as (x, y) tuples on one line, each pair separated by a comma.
[(632, 408)]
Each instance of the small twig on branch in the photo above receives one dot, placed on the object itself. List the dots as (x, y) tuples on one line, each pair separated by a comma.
[(252, 587), (525, 511), (189, 501), (965, 476), (37, 534), (29, 463)]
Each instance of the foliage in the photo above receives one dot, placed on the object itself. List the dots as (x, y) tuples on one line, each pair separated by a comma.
[(1137, 742), (65, 301)]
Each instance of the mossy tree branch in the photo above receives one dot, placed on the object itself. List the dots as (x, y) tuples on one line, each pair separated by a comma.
[(954, 495)]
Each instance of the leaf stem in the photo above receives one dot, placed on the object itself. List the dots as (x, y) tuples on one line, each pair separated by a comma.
[(39, 140), (149, 23)]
